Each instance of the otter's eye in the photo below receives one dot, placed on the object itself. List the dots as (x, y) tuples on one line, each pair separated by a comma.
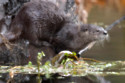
[(97, 30), (85, 30)]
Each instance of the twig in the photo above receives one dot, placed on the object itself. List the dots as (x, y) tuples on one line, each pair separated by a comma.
[(6, 42), (89, 59), (115, 23)]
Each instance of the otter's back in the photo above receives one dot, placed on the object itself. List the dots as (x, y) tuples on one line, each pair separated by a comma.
[(40, 17)]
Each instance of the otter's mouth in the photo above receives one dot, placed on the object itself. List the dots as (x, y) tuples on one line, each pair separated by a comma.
[(103, 37)]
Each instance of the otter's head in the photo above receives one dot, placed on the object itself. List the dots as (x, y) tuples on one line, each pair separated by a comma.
[(85, 34), (93, 32), (74, 37)]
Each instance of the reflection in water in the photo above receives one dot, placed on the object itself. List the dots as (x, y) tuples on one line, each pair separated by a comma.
[(102, 79)]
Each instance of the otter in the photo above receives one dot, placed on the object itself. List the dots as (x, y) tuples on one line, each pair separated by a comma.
[(75, 38), (42, 23)]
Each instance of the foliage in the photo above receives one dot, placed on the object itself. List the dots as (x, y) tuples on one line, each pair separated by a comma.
[(71, 67)]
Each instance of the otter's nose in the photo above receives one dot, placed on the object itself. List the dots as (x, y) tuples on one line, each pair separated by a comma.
[(105, 33)]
